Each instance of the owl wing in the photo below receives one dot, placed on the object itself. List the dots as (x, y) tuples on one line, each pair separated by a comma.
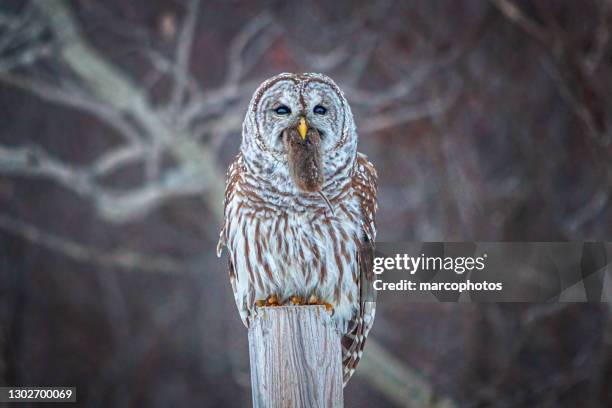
[(364, 187), (232, 178)]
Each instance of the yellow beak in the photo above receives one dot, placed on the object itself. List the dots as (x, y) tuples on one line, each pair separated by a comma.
[(302, 128)]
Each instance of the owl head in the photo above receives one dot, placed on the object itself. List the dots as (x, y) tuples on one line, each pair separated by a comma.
[(299, 128)]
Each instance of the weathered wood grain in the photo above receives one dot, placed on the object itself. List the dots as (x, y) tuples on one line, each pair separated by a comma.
[(295, 358)]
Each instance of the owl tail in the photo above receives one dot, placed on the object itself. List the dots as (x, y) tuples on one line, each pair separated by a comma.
[(352, 349), (354, 341)]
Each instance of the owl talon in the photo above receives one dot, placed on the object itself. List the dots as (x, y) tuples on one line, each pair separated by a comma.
[(260, 303), (296, 300), (314, 300), (272, 300)]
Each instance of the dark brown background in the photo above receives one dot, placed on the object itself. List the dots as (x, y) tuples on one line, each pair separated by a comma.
[(485, 120)]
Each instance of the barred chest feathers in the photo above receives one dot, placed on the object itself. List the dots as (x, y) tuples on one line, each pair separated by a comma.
[(294, 245)]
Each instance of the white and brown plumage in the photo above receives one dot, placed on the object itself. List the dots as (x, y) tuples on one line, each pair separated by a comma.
[(299, 207)]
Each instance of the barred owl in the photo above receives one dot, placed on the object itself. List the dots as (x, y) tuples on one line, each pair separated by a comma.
[(299, 208)]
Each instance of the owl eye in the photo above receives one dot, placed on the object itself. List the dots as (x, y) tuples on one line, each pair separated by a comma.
[(319, 110), (282, 110)]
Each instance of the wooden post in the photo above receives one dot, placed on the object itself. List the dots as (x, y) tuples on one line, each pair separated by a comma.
[(296, 358)]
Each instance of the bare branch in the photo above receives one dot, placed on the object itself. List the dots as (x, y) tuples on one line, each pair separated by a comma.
[(183, 53), (116, 158), (114, 205), (257, 36), (400, 384), (19, 30), (122, 259), (63, 97), (153, 161), (401, 116), (602, 38), (322, 62), (395, 92), (579, 108), (238, 67), (411, 77), (215, 101), (572, 70), (35, 161), (104, 80), (24, 58), (108, 84), (591, 209), (514, 14), (219, 127), (135, 203)]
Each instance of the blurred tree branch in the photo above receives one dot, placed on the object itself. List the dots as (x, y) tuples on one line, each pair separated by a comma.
[(575, 67), (107, 92), (121, 258), (95, 85), (581, 80), (398, 383)]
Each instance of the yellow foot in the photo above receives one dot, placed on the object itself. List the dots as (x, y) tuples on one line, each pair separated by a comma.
[(271, 300), (297, 300), (314, 300)]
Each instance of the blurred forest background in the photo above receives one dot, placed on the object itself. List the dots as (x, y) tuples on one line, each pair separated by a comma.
[(487, 120)]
